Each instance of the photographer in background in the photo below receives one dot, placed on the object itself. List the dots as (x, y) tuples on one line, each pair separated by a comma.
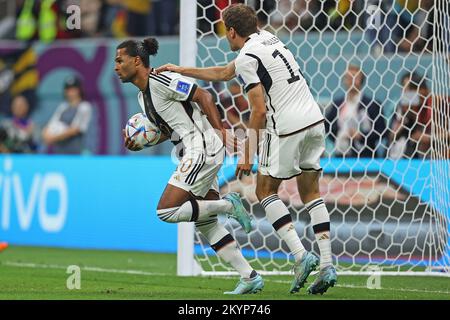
[(66, 129)]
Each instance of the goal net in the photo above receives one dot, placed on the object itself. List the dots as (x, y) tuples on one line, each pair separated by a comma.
[(386, 172)]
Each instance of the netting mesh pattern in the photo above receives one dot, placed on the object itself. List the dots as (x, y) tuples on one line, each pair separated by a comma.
[(380, 72)]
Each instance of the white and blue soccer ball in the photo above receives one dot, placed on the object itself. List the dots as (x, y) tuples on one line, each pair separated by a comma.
[(142, 131)]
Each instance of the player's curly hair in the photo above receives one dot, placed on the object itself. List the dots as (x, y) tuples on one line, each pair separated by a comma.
[(241, 18), (143, 49)]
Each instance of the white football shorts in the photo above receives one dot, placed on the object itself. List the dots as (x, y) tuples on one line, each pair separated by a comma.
[(197, 173), (288, 156)]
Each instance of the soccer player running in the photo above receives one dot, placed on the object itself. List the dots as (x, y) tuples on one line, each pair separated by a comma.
[(282, 104), (176, 105)]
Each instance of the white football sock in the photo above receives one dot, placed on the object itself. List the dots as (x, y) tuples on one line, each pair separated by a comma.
[(279, 216), (320, 220), (225, 246), (194, 210)]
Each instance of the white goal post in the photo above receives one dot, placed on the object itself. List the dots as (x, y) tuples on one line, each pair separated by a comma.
[(389, 202)]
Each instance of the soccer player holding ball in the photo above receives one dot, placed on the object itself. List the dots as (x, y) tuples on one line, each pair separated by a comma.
[(282, 104), (187, 115)]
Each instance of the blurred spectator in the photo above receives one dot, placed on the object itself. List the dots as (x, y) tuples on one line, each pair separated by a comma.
[(345, 14), (290, 16), (65, 131), (209, 15), (235, 106), (44, 20), (441, 129), (7, 19), (90, 17), (110, 18), (17, 133), (137, 17), (162, 18), (416, 18), (18, 76), (355, 122), (400, 25), (410, 134)]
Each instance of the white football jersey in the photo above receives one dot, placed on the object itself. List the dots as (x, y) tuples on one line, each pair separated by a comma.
[(290, 105), (166, 103)]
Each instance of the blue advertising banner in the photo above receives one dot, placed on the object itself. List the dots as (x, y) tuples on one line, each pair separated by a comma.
[(108, 202), (85, 202)]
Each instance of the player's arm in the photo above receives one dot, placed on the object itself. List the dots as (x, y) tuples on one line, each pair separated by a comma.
[(256, 124), (206, 102), (221, 73)]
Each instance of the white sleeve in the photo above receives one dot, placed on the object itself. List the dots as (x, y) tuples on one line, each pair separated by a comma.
[(83, 117), (175, 86), (246, 71)]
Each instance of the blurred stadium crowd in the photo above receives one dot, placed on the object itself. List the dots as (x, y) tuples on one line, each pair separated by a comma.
[(45, 20), (355, 122)]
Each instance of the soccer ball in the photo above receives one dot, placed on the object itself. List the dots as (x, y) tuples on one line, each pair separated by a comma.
[(142, 131)]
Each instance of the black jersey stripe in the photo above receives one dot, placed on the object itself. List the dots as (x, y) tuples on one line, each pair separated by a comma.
[(164, 76), (151, 113), (166, 79), (266, 81), (154, 76), (264, 152), (191, 94), (189, 109), (161, 80)]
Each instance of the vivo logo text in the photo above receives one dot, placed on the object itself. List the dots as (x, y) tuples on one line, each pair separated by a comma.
[(33, 200)]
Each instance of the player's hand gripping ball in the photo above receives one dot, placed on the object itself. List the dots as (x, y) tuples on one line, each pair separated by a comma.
[(142, 131)]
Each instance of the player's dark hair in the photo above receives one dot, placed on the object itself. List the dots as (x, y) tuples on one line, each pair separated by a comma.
[(143, 49), (241, 18)]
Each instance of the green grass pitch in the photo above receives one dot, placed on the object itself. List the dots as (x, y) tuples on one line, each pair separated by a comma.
[(41, 273)]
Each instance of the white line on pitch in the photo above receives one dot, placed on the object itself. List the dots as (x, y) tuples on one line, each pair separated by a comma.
[(93, 269), (144, 273)]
